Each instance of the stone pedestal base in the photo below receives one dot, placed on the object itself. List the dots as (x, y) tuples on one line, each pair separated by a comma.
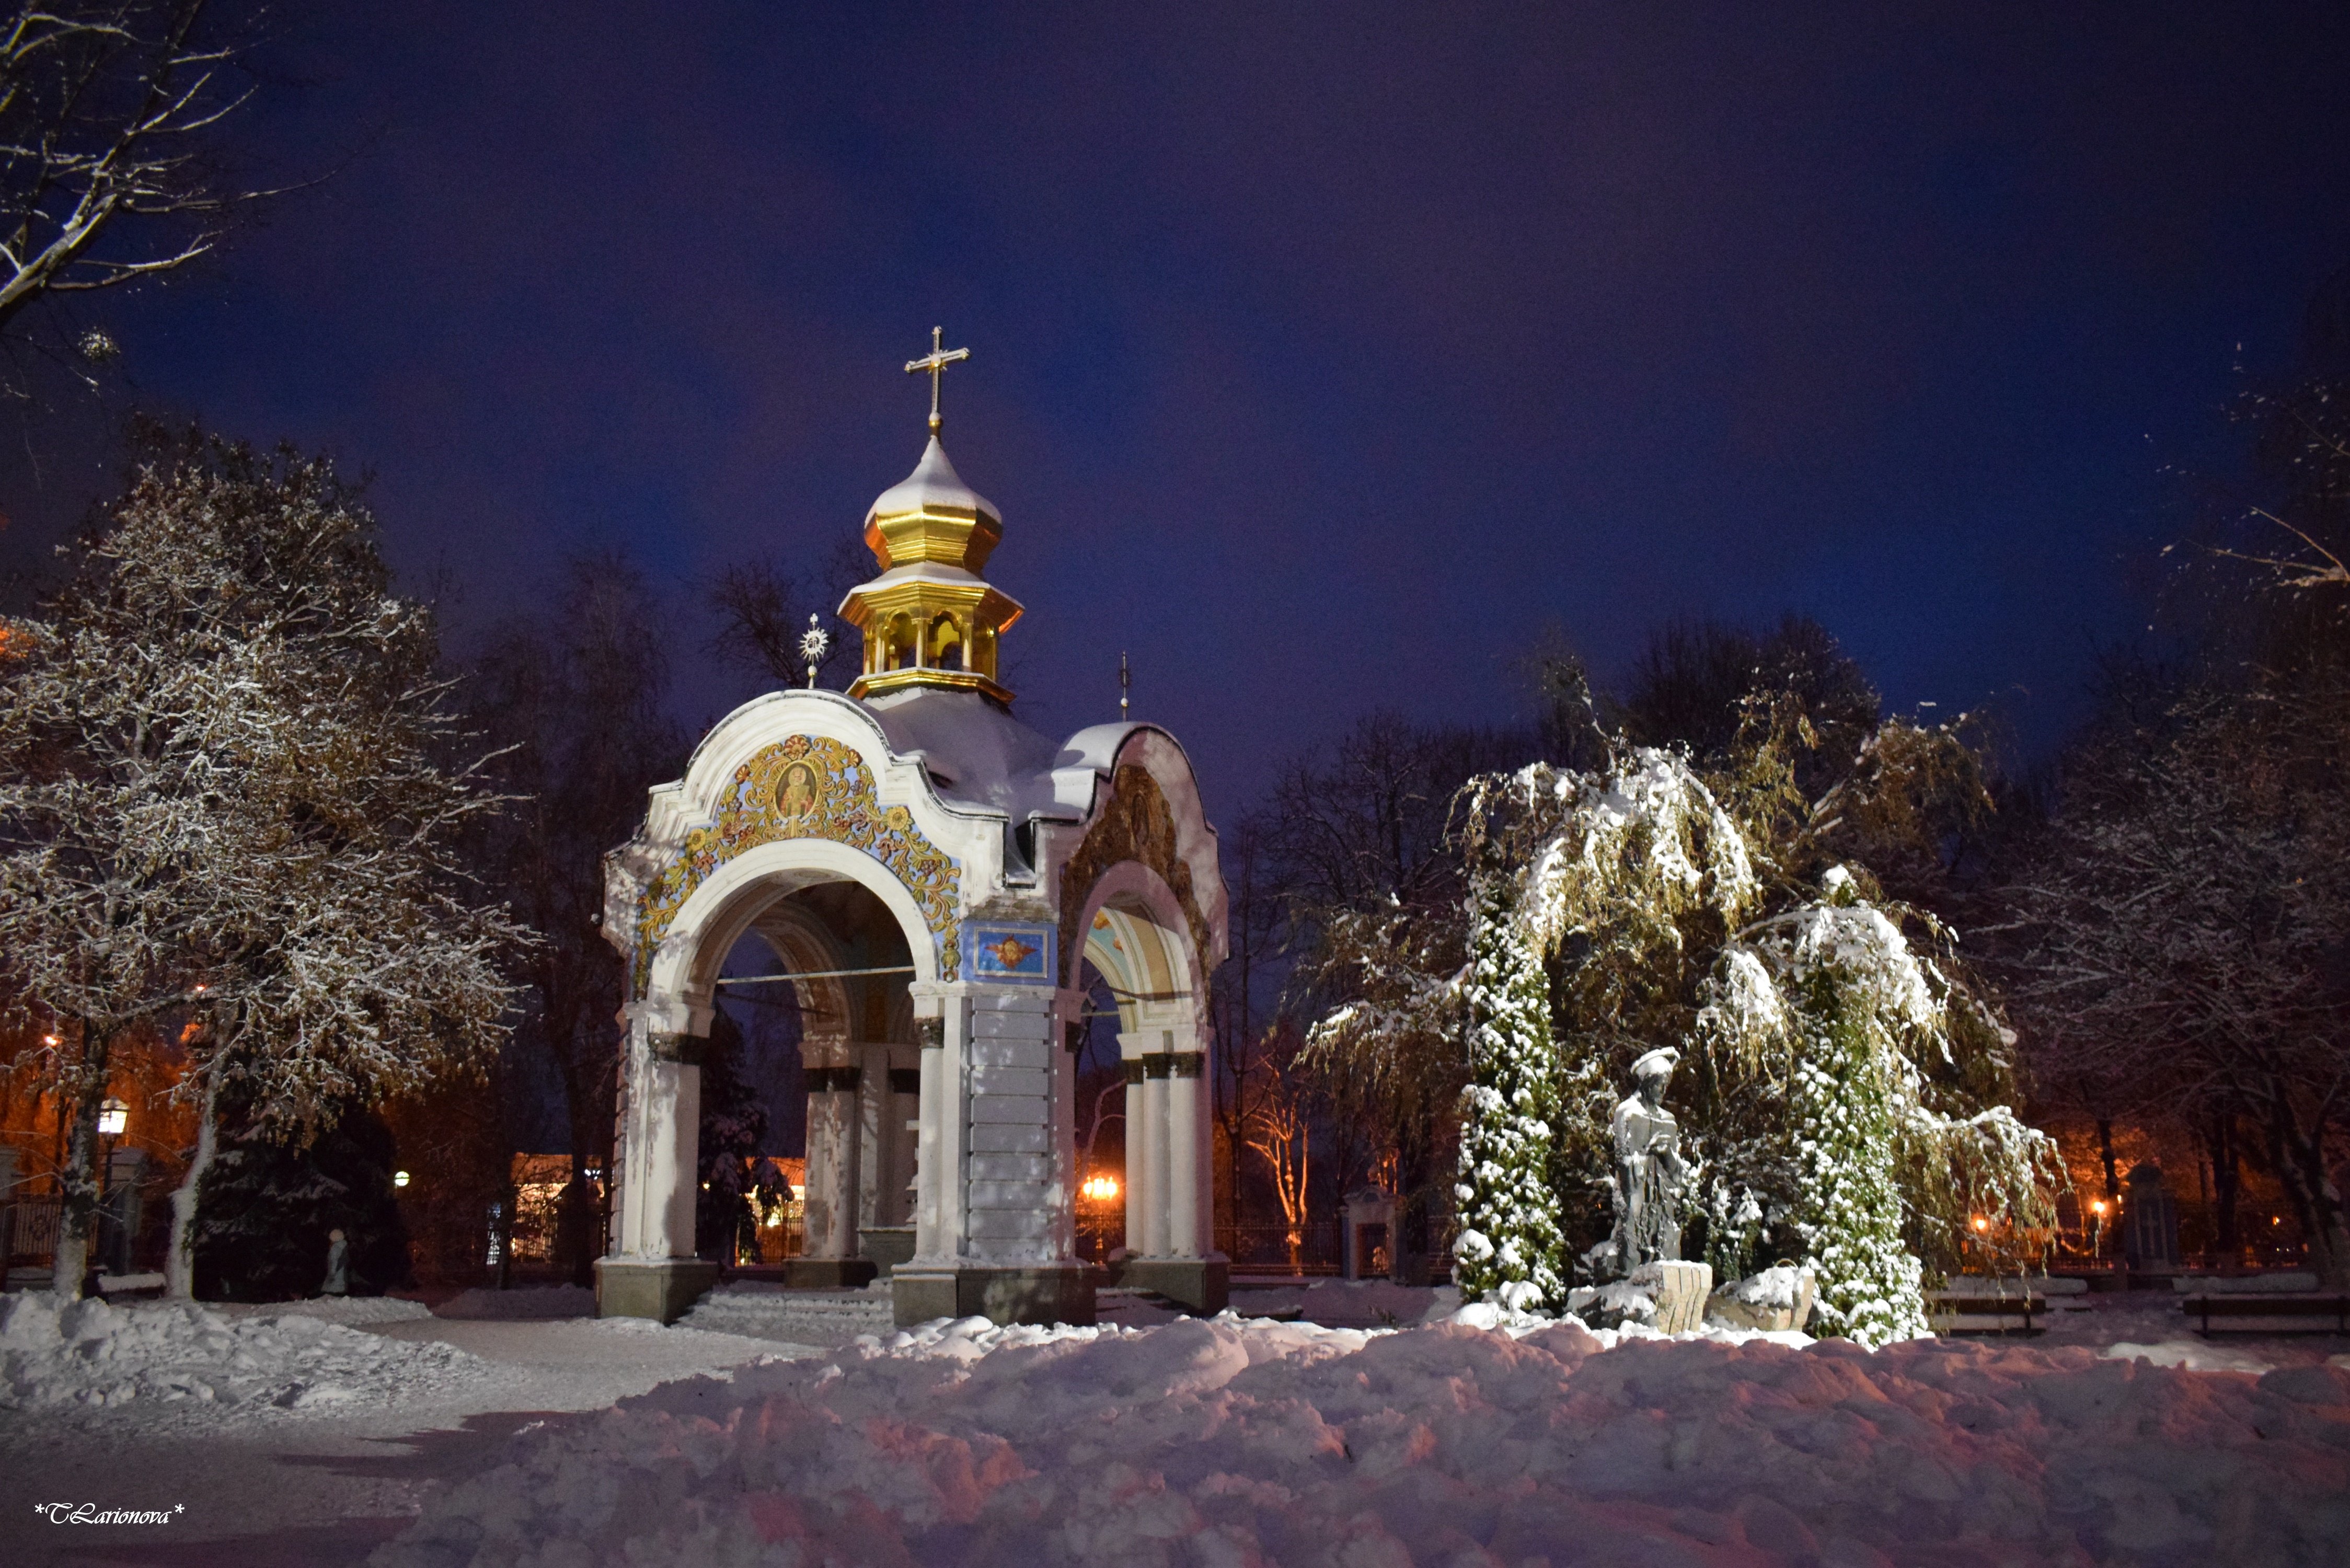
[(1725, 1305), (829, 1273), (1680, 1291), (1040, 1294), (886, 1246), (1200, 1286), (663, 1289)]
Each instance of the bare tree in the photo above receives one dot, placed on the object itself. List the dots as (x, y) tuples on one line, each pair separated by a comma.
[(1280, 1132), (111, 169), (579, 697), (765, 612), (2174, 945)]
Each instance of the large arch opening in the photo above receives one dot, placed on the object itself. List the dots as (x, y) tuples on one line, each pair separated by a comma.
[(1139, 974), (812, 1025), (785, 977)]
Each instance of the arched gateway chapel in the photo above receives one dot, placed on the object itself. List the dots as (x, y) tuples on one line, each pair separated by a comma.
[(931, 874)]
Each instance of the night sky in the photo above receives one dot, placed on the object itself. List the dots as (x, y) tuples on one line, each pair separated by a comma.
[(1322, 357)]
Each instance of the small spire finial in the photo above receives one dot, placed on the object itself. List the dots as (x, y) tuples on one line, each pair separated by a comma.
[(936, 362), (814, 643)]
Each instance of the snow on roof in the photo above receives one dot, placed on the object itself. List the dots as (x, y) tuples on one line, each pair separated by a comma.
[(976, 753)]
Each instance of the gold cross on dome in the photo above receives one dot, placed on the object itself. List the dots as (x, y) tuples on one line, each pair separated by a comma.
[(936, 362)]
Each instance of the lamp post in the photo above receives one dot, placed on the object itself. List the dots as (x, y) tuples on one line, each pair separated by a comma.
[(113, 1117)]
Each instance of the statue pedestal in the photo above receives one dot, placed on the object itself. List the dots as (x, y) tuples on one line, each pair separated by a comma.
[(1680, 1291)]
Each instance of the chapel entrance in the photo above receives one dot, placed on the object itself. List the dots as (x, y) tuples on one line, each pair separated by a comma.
[(834, 948)]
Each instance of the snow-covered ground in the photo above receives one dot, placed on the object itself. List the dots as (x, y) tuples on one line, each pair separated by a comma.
[(262, 1481), (1236, 1441), (524, 1439), (181, 1363)]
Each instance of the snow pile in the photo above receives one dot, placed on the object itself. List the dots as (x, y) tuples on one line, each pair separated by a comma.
[(58, 1353), (1616, 1301), (525, 1303), (1232, 1442), (2189, 1353), (1349, 1303), (1775, 1289), (351, 1311)]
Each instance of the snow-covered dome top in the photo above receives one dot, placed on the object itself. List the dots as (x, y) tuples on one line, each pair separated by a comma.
[(932, 515)]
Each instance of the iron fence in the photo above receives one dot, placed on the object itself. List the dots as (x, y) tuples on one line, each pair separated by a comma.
[(29, 1227)]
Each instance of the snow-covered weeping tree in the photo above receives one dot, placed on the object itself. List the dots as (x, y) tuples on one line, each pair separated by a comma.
[(1839, 1084), (1827, 1020), (228, 801)]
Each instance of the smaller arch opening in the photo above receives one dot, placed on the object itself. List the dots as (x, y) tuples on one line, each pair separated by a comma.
[(947, 640)]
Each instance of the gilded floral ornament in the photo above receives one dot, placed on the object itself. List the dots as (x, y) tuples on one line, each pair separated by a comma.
[(806, 787)]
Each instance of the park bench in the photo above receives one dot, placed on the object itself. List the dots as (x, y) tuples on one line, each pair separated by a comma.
[(1991, 1312), (2206, 1305)]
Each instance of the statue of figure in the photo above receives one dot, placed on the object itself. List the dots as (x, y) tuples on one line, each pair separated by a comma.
[(1648, 1167), (338, 1274)]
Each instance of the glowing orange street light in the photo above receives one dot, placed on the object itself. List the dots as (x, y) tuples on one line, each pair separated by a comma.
[(1981, 1224)]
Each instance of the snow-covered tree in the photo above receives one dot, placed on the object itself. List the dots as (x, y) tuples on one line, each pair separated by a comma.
[(1828, 1017), (227, 793), (1508, 1248)]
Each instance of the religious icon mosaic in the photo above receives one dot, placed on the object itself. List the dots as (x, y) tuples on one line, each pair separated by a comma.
[(806, 787)]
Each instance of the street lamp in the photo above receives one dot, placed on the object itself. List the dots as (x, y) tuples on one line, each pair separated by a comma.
[(400, 1178), (113, 1116)]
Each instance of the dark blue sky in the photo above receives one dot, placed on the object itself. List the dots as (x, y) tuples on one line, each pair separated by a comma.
[(1321, 356)]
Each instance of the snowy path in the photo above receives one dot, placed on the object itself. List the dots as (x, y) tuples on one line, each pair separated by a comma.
[(290, 1487)]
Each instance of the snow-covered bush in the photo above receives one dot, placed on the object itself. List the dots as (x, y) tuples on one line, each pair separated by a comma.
[(1508, 1251)]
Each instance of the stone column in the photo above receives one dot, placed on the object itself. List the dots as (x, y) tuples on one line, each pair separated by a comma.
[(1185, 1124), (829, 1066), (664, 1136), (654, 1272), (1146, 1159), (1170, 1201), (930, 1112), (941, 1024), (876, 1136)]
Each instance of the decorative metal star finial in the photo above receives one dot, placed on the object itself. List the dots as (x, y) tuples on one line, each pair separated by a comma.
[(936, 362), (814, 643)]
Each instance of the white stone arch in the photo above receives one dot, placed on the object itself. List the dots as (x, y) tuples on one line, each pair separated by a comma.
[(660, 1132), (685, 964), (1135, 934)]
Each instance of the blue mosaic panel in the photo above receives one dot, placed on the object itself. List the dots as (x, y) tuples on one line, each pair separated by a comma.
[(1009, 955)]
